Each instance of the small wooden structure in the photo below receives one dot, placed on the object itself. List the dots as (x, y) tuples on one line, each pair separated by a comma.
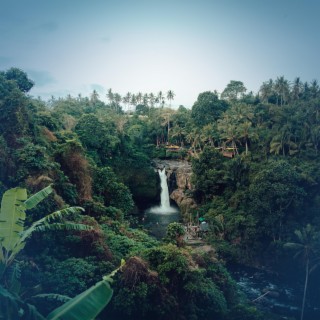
[(172, 147), (228, 152)]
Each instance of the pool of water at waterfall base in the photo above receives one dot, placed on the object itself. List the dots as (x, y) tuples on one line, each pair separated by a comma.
[(156, 221)]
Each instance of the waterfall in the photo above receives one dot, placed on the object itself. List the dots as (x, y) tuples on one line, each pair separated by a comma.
[(164, 196)]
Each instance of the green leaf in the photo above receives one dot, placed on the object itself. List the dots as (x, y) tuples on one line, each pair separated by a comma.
[(36, 226), (14, 279), (293, 245), (52, 297), (38, 197), (11, 307), (85, 306), (64, 226), (12, 216), (112, 274)]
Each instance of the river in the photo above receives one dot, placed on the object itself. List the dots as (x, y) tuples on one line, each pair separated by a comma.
[(284, 296), (267, 291), (279, 294)]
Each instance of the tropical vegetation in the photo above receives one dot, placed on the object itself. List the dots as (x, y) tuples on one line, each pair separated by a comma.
[(255, 178)]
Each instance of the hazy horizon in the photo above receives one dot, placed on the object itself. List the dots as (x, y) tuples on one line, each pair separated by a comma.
[(181, 45)]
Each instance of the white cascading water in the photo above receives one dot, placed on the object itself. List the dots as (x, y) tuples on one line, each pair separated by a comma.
[(164, 196)]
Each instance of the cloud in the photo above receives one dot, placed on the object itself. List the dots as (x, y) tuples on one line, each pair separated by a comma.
[(41, 78)]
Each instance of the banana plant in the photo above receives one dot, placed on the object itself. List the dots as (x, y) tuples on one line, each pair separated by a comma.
[(85, 306), (13, 234), (88, 304)]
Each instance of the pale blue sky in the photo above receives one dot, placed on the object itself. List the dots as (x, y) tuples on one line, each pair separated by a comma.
[(188, 46)]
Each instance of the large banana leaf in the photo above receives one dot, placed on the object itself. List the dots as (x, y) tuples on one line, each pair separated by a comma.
[(38, 197), (40, 224), (12, 216), (43, 224), (86, 306)]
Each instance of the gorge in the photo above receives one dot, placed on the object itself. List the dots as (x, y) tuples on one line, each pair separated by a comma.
[(268, 291)]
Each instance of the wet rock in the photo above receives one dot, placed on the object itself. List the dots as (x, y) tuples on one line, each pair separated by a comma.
[(184, 202), (179, 181)]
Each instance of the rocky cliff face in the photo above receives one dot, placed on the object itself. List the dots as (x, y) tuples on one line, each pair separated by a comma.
[(179, 182)]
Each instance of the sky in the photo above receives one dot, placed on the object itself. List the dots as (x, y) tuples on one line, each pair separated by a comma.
[(188, 46)]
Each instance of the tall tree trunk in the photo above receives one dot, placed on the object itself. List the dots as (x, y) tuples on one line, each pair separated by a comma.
[(305, 289)]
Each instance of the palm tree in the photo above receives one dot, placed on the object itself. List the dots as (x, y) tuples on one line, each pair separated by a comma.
[(247, 133), (156, 100), (152, 99), (277, 145), (306, 91), (306, 248), (133, 101), (266, 90), (297, 89), (110, 95), (139, 97), (117, 98), (284, 141), (282, 89), (228, 129), (179, 133), (314, 89), (209, 134), (170, 96), (127, 99), (145, 99), (160, 98), (194, 139), (94, 98), (166, 121)]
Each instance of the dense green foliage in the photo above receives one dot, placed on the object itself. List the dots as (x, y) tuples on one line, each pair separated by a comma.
[(255, 180)]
